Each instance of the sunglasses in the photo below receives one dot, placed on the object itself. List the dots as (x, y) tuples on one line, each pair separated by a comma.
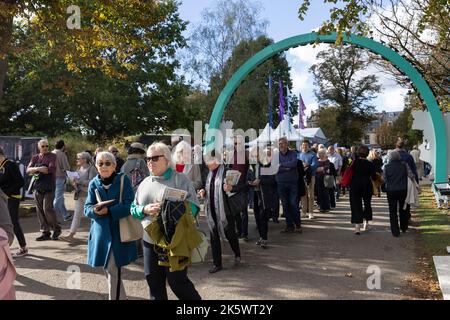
[(44, 146), (154, 158), (107, 163)]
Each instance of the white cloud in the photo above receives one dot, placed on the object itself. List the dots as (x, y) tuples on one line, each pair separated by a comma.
[(302, 80), (392, 99), (307, 54)]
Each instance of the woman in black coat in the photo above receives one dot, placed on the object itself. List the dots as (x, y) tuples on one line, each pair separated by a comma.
[(361, 189)]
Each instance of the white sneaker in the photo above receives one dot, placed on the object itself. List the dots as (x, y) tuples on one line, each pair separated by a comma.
[(311, 216), (264, 244), (366, 226), (357, 229)]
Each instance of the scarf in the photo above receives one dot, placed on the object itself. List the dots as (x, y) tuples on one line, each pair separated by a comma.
[(218, 203), (108, 181)]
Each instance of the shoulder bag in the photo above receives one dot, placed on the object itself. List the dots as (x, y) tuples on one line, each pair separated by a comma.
[(347, 177), (130, 228)]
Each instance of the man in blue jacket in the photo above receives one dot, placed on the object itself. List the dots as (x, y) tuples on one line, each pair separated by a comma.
[(286, 178)]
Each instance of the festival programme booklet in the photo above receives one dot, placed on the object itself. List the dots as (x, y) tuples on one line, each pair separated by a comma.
[(100, 204), (73, 175), (173, 194), (232, 177)]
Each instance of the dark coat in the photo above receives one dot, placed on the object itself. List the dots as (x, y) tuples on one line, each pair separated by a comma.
[(396, 176), (11, 179), (363, 174), (301, 179)]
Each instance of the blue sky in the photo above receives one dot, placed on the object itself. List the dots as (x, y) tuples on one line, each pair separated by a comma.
[(284, 23)]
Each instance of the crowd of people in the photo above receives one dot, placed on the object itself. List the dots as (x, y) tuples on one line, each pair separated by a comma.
[(108, 189)]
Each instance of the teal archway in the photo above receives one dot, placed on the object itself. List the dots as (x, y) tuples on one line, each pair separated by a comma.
[(397, 60)]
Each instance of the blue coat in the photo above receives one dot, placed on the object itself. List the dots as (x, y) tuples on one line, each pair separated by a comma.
[(104, 234)]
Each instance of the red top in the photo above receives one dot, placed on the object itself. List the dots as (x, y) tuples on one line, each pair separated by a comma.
[(179, 167)]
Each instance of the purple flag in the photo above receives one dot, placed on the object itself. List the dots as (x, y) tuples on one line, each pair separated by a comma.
[(301, 110), (270, 103), (281, 101)]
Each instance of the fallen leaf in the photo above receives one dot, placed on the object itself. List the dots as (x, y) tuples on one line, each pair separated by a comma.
[(349, 274)]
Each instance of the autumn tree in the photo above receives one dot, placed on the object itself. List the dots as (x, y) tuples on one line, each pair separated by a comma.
[(121, 27), (326, 120), (418, 29), (386, 136), (341, 85), (114, 75)]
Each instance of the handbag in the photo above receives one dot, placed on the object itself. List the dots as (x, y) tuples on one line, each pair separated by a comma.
[(198, 255), (347, 177), (130, 228), (328, 181)]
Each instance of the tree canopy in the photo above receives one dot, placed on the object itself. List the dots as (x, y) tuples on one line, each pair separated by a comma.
[(342, 86), (114, 75), (417, 29)]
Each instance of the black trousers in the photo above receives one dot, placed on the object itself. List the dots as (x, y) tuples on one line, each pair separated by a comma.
[(238, 206), (156, 277), (396, 200), (262, 213), (230, 234), (13, 207), (332, 193), (271, 199), (358, 195), (323, 194)]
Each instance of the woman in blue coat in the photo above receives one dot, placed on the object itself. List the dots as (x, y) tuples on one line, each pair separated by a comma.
[(105, 248)]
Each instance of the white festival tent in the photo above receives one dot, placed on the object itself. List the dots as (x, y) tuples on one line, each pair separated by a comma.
[(316, 135), (264, 138), (284, 129)]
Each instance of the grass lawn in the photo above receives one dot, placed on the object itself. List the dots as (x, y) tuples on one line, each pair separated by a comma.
[(433, 227), (434, 224)]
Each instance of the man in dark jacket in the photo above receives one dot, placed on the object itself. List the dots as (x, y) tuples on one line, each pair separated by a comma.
[(11, 181), (395, 177)]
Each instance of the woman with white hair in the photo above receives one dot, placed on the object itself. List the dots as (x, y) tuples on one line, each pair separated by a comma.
[(183, 159), (105, 248), (147, 206), (86, 172)]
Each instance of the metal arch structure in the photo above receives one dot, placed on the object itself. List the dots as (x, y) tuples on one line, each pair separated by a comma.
[(440, 170)]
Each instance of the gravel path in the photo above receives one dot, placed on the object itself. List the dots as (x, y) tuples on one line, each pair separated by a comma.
[(327, 261)]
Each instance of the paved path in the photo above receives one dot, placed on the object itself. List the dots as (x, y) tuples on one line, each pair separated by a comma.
[(327, 261)]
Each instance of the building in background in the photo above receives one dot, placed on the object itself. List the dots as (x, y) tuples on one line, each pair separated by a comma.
[(370, 133)]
